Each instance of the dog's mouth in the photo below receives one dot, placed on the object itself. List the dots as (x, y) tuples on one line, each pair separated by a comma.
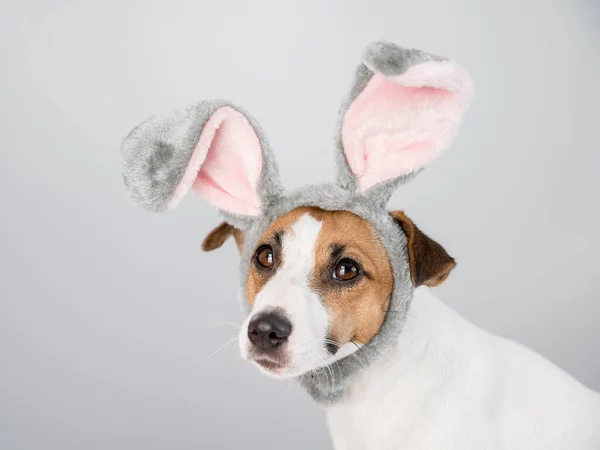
[(283, 364), (270, 364), (273, 365)]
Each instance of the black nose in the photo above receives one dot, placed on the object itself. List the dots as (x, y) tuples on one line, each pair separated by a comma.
[(268, 331)]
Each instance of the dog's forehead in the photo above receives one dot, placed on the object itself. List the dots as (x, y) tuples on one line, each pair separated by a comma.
[(315, 228), (328, 197), (299, 239)]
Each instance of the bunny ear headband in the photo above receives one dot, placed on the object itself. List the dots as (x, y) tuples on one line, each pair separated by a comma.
[(403, 110)]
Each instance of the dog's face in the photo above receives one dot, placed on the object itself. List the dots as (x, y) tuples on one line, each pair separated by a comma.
[(320, 282)]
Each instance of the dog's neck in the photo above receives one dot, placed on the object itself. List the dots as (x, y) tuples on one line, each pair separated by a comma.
[(434, 340), (404, 397)]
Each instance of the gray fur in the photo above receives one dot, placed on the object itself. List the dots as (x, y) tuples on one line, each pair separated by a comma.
[(156, 153)]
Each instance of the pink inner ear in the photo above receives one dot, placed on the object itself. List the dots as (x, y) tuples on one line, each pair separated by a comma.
[(397, 125), (226, 164)]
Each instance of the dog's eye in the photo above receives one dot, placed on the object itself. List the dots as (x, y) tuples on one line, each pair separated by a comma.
[(264, 257), (346, 270)]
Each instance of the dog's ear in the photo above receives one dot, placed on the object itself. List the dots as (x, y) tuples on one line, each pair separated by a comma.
[(430, 265), (217, 237), (403, 110)]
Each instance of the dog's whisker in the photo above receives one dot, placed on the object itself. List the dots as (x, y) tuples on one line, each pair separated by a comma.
[(356, 355), (330, 369), (222, 348), (374, 350), (367, 363)]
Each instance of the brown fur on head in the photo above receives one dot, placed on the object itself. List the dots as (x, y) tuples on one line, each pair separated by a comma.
[(217, 237), (356, 308)]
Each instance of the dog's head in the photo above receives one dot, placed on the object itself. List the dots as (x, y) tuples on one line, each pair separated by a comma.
[(321, 281), (323, 266)]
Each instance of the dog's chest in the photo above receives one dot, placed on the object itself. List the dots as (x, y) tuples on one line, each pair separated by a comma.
[(419, 413)]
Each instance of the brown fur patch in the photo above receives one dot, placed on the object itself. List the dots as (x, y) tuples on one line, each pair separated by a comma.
[(217, 237), (358, 307), (429, 263)]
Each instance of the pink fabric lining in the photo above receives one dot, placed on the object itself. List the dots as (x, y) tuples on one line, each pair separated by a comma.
[(399, 124), (226, 164)]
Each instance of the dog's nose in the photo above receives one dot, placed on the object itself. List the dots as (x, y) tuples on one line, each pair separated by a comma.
[(268, 331)]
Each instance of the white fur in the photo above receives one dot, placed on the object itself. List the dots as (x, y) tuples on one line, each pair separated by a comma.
[(448, 385), (289, 290)]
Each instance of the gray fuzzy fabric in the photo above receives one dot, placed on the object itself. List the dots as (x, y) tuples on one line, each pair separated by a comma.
[(387, 59), (390, 59), (156, 153)]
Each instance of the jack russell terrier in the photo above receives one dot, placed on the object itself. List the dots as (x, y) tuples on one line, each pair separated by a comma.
[(337, 287)]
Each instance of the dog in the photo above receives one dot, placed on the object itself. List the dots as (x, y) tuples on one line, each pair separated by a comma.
[(319, 285), (337, 287)]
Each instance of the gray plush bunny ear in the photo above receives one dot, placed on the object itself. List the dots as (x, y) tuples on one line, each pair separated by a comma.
[(211, 147), (403, 109)]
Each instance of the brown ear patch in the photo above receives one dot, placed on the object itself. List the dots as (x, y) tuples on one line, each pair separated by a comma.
[(429, 263), (217, 237)]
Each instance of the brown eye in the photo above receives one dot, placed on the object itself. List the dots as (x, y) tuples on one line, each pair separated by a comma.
[(346, 270), (264, 256)]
